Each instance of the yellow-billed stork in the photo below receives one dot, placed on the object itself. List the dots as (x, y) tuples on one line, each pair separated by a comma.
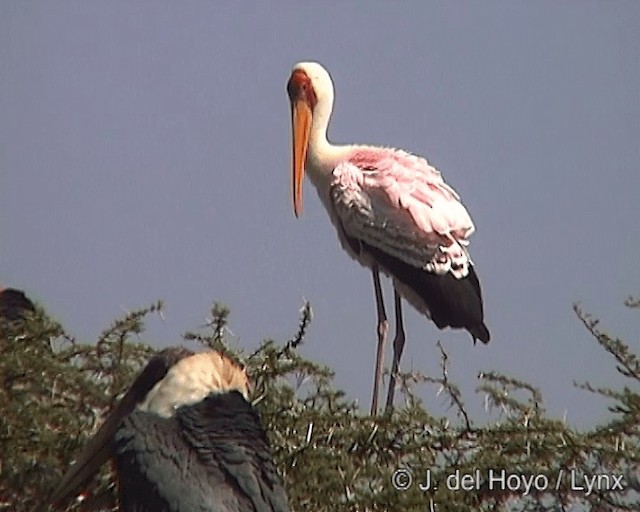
[(393, 212)]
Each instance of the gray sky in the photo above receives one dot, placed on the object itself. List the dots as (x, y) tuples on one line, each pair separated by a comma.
[(145, 154)]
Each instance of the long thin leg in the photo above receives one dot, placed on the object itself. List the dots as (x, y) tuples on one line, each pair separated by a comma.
[(398, 347), (383, 328)]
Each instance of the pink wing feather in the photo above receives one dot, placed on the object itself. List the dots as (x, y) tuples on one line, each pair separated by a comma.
[(400, 204)]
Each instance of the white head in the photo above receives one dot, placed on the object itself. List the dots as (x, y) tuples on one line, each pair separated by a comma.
[(191, 379), (317, 78), (310, 91)]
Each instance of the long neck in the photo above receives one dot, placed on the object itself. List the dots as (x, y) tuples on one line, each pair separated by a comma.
[(322, 156)]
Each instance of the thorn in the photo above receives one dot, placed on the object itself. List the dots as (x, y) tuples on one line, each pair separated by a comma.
[(309, 432)]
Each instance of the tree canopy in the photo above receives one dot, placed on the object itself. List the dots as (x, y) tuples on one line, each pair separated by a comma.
[(333, 456)]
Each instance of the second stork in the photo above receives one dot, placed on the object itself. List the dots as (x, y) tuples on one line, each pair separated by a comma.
[(184, 439)]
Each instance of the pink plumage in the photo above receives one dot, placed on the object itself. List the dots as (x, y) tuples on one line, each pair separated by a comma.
[(407, 192)]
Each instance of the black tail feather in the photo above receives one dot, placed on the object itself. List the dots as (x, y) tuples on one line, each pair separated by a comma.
[(451, 302)]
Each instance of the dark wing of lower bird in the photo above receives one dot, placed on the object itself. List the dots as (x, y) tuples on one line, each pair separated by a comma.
[(226, 432), (210, 457)]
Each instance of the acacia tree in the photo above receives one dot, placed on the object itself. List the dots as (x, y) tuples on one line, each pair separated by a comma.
[(333, 457)]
